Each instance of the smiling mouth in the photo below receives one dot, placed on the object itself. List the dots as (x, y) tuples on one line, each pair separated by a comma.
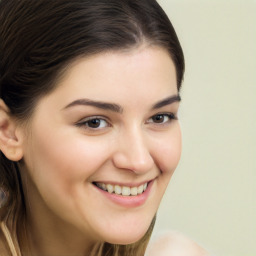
[(121, 190)]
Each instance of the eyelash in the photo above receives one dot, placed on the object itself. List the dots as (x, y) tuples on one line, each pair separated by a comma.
[(85, 122), (170, 116)]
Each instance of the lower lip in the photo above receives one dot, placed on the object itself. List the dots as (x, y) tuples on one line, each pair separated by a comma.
[(128, 201)]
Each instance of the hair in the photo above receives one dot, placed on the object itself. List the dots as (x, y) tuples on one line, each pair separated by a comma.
[(38, 40)]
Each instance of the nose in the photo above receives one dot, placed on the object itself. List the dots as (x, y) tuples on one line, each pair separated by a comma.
[(133, 152)]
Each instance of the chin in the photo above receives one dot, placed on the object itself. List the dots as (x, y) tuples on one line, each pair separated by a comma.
[(125, 240), (127, 236)]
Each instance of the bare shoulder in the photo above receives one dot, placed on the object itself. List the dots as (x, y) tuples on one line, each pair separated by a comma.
[(175, 244)]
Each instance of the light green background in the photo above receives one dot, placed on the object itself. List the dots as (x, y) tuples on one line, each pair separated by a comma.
[(211, 197)]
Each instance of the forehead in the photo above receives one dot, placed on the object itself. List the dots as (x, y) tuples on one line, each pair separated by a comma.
[(124, 77)]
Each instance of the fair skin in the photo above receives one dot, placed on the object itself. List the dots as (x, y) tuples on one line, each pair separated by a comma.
[(174, 244), (133, 140)]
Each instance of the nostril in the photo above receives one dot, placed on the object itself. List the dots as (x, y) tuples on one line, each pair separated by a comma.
[(133, 153), (134, 163)]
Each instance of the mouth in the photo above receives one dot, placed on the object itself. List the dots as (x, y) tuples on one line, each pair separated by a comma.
[(122, 190)]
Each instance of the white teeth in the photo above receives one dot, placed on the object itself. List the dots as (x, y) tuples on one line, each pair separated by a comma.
[(134, 191), (125, 191), (110, 188), (140, 189), (118, 190)]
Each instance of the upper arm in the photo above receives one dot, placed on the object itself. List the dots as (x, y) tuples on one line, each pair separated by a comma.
[(175, 244)]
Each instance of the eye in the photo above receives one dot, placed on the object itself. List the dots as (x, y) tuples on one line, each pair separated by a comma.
[(161, 118), (93, 123)]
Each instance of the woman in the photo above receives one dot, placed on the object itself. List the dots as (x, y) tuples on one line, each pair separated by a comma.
[(89, 135)]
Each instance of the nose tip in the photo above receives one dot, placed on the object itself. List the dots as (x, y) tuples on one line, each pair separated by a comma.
[(134, 156)]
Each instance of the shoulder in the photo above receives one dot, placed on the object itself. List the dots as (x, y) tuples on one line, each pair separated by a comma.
[(174, 244)]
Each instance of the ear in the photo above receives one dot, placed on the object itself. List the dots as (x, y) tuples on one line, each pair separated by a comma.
[(10, 136)]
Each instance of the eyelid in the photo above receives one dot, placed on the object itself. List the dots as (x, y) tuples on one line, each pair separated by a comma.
[(170, 115), (85, 120)]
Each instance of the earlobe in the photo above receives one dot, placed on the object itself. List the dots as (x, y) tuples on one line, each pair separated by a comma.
[(10, 139)]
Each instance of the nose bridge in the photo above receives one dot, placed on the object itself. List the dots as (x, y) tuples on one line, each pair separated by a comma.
[(133, 151)]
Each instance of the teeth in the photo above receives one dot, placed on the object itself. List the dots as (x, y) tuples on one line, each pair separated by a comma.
[(110, 188), (104, 187), (134, 191), (125, 191), (118, 190), (140, 189)]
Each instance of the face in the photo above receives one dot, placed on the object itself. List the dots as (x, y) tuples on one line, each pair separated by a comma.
[(104, 144)]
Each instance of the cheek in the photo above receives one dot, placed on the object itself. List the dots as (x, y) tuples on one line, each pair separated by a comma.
[(169, 150), (60, 167), (63, 161)]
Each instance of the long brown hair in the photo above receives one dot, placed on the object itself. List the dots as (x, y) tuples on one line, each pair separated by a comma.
[(38, 39)]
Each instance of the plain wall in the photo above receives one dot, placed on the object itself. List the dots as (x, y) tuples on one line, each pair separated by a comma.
[(211, 197)]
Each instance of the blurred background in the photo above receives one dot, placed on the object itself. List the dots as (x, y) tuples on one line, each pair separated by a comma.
[(211, 197)]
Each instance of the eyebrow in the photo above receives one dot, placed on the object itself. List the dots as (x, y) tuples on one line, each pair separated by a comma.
[(98, 104), (117, 108), (167, 101)]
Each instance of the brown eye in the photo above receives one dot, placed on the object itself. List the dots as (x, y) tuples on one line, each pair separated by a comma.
[(158, 118), (94, 123), (162, 118)]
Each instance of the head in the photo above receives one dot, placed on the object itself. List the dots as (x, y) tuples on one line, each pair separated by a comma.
[(53, 56)]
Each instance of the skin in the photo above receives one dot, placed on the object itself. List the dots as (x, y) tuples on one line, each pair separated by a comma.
[(175, 244), (62, 155)]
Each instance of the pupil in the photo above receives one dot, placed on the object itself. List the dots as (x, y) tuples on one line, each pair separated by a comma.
[(94, 123), (159, 118)]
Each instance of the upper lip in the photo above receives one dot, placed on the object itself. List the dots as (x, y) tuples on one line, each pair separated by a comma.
[(125, 184)]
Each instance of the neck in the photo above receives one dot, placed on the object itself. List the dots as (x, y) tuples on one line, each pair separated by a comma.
[(53, 238)]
